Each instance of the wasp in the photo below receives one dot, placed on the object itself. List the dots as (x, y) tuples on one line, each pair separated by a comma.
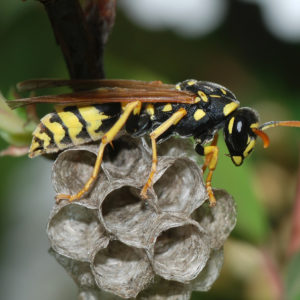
[(197, 109)]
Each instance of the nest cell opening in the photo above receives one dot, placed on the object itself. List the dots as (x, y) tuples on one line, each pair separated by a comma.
[(73, 168), (180, 195), (179, 253), (75, 231), (121, 269), (127, 216), (124, 157), (120, 199), (219, 221)]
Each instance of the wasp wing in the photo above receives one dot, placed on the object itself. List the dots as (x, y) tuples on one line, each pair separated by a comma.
[(84, 84), (107, 95)]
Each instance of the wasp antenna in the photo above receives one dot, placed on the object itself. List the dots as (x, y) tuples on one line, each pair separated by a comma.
[(279, 123), (272, 124), (263, 136)]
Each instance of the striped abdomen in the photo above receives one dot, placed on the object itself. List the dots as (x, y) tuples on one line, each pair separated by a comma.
[(73, 125)]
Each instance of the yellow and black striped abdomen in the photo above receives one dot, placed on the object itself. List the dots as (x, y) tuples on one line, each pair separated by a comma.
[(73, 125)]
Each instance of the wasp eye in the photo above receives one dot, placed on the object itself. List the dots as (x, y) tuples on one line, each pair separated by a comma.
[(239, 126), (239, 136)]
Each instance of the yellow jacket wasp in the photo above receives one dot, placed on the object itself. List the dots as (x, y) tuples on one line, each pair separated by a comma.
[(191, 108)]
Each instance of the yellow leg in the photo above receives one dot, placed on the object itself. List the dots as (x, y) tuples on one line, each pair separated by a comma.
[(208, 157), (106, 139), (173, 120), (211, 159)]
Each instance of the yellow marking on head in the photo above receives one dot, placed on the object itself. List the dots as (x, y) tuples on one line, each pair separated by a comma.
[(203, 96), (167, 107), (230, 125), (73, 124), (229, 108), (249, 139), (197, 99), (254, 125), (177, 86), (93, 118), (237, 160), (249, 147), (215, 96), (56, 128), (223, 91), (191, 82), (199, 114)]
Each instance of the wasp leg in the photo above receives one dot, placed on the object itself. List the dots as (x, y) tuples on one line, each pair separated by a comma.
[(208, 157), (106, 139), (173, 120), (211, 159)]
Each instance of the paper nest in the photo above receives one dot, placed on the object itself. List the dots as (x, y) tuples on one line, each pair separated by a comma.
[(116, 245)]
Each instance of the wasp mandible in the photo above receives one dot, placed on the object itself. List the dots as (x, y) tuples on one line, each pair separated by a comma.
[(197, 109)]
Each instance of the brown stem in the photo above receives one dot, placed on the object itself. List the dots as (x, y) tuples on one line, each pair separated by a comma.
[(81, 33)]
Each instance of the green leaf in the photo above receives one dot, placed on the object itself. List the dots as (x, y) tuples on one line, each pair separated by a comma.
[(13, 129), (292, 279), (9, 121), (252, 221)]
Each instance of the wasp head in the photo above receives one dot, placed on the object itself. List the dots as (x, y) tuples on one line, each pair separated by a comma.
[(239, 133)]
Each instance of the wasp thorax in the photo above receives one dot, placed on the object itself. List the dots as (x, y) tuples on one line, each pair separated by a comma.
[(239, 136)]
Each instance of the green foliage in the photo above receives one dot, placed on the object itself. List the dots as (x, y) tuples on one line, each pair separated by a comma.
[(292, 280), (13, 129), (252, 223)]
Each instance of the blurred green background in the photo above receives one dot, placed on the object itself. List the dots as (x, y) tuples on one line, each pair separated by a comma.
[(241, 53)]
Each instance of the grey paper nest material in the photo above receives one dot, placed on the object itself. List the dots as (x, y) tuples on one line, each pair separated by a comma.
[(116, 245)]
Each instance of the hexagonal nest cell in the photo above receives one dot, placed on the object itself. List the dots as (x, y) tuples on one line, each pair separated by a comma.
[(116, 245)]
